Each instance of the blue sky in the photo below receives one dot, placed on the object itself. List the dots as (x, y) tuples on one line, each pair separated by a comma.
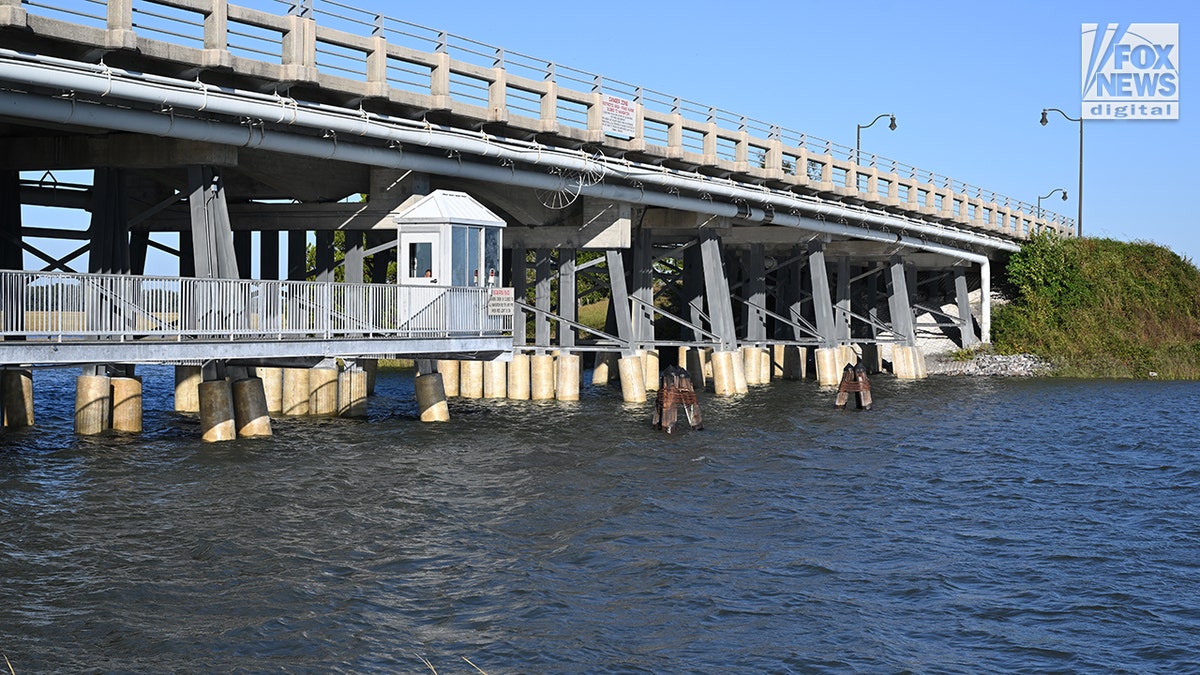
[(966, 80)]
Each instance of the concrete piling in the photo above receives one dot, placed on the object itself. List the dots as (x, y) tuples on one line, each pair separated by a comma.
[(187, 392), (829, 373), (217, 421), (495, 379), (568, 376), (541, 377), (93, 404), (448, 369), (518, 377), (272, 379), (250, 412), (633, 384), (322, 388), (127, 404), (296, 391), (470, 379), (352, 393), (17, 387), (431, 398)]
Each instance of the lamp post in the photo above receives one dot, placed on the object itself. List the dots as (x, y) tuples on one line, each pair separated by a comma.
[(1047, 196), (858, 134), (1079, 193)]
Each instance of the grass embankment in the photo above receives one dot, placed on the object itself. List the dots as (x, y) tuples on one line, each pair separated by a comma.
[(1102, 308)]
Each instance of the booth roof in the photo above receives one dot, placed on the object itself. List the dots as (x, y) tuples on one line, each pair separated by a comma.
[(446, 206)]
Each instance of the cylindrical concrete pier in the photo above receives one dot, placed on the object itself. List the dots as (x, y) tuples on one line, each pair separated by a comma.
[(431, 398), (602, 368), (908, 363), (567, 379), (272, 379), (829, 373), (739, 374), (296, 391), (250, 414), (127, 404), (518, 377), (352, 393), (722, 372), (448, 369), (697, 365), (650, 368), (93, 404), (846, 356), (217, 422), (17, 397), (470, 379), (795, 362), (633, 384), (371, 370), (495, 379), (187, 393), (541, 377), (752, 364), (322, 391)]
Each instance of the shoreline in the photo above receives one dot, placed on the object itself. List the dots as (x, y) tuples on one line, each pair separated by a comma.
[(989, 365)]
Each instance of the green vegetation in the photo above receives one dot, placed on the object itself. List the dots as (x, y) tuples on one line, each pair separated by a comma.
[(1102, 308)]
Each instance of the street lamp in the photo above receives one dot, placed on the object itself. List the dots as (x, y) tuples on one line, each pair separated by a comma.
[(858, 133), (1047, 196), (1079, 193)]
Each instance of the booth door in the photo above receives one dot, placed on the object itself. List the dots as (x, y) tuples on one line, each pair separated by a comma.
[(421, 259)]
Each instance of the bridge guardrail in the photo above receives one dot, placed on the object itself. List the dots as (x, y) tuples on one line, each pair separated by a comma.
[(66, 306), (343, 47)]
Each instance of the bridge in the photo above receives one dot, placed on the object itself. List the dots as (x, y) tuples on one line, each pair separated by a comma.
[(228, 138)]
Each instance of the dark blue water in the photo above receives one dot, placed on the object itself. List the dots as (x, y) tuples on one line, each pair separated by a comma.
[(963, 526)]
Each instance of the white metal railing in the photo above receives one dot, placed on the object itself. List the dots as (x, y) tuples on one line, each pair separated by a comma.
[(376, 55), (63, 306)]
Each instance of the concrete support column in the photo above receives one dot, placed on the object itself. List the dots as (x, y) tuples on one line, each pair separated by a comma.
[(795, 362), (18, 398), (518, 378), (908, 363), (752, 364), (448, 369), (250, 414), (846, 355), (829, 373), (650, 368), (296, 391), (739, 373), (778, 359), (697, 364), (568, 377), (371, 369), (127, 404), (93, 404), (322, 391), (602, 371), (541, 377), (187, 389), (764, 368), (724, 383), (633, 378), (431, 398), (272, 379), (217, 421), (352, 392), (470, 379), (495, 379)]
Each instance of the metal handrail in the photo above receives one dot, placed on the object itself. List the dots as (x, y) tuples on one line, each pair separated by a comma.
[(68, 306)]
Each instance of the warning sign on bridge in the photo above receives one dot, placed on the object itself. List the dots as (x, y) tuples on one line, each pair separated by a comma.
[(619, 116), (500, 302)]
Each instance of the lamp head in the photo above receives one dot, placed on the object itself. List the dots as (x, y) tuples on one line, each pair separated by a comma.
[(1064, 195), (1044, 120), (892, 125)]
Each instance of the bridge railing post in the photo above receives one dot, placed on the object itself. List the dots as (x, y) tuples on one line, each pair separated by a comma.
[(120, 33), (377, 60), (498, 90), (12, 13), (549, 102), (299, 44)]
